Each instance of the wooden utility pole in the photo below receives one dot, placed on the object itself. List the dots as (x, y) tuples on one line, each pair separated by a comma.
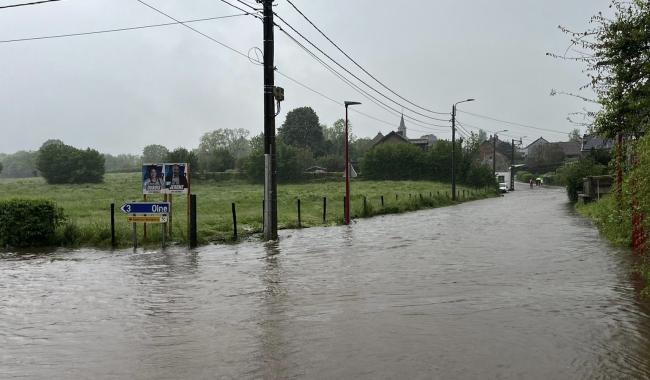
[(270, 163)]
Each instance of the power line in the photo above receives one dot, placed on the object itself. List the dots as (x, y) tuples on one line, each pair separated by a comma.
[(119, 29), (236, 7), (351, 73), (242, 54), (358, 65), (25, 4), (511, 122), (193, 29), (369, 96)]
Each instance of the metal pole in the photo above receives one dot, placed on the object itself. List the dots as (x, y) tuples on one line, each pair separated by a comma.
[(494, 154), (512, 166), (347, 171), (113, 225), (453, 152), (270, 164)]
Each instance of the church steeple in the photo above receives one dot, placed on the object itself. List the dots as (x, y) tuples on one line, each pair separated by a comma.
[(402, 127)]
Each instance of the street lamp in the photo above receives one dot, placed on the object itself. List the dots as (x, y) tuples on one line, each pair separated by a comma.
[(453, 147), (347, 163), (494, 150)]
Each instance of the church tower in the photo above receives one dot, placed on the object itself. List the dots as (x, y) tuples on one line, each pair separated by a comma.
[(402, 128)]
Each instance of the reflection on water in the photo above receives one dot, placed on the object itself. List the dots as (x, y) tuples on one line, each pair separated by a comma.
[(514, 287)]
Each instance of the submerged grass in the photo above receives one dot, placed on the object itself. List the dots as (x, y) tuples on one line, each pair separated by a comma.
[(88, 206)]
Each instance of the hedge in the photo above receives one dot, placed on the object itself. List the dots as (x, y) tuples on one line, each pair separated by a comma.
[(28, 223)]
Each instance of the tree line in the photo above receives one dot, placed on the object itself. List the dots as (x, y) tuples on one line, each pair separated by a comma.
[(302, 142)]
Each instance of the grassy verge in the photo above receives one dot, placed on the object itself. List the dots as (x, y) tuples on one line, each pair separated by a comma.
[(87, 206), (616, 226)]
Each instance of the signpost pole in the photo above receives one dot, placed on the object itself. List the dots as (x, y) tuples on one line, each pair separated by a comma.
[(144, 226), (135, 236), (189, 205), (171, 211)]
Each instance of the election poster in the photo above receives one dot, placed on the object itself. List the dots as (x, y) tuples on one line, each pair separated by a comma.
[(153, 179), (176, 178)]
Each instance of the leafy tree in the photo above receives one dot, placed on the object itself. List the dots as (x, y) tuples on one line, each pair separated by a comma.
[(212, 146), (482, 136), (183, 155), (359, 147), (301, 129), (575, 135), (59, 163), (292, 162), (615, 53), (122, 163), (21, 164), (1, 167), (222, 160), (154, 153)]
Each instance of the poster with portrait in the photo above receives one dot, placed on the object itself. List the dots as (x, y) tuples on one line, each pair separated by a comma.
[(176, 178), (153, 179)]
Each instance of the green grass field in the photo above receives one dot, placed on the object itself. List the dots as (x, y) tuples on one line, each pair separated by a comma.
[(88, 206)]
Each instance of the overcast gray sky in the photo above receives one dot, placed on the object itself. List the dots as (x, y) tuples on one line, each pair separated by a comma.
[(118, 92)]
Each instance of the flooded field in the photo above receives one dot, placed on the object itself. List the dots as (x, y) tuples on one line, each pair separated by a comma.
[(513, 287)]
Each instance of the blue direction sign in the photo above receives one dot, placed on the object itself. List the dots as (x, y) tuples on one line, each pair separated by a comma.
[(146, 208)]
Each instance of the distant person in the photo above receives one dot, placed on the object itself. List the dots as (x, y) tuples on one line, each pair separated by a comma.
[(178, 180), (531, 183), (153, 182)]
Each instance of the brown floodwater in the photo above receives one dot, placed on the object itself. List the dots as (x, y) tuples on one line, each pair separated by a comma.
[(513, 287)]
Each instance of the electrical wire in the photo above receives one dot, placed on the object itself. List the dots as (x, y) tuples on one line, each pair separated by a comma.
[(238, 8), (351, 73), (511, 122), (118, 29), (358, 65), (193, 29), (25, 4), (364, 93)]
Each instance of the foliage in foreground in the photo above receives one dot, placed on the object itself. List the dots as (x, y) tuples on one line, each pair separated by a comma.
[(29, 223)]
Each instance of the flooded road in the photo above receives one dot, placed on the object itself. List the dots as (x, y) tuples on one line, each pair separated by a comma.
[(514, 287)]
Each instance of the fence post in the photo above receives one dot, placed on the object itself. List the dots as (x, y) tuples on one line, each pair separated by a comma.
[(324, 209), (299, 216), (192, 237), (113, 225), (382, 201), (234, 221)]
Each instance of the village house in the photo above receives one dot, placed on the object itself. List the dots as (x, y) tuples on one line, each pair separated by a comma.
[(595, 143), (400, 137), (487, 153), (532, 146)]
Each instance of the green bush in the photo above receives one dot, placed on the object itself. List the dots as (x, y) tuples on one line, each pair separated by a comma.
[(25, 223), (524, 176), (572, 175), (60, 163), (395, 162)]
